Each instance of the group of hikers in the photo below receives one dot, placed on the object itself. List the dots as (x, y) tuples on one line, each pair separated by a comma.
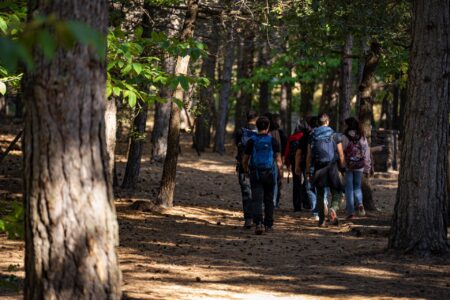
[(322, 162)]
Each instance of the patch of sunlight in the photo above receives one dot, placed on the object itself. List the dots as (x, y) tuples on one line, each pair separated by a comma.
[(329, 287), (369, 272)]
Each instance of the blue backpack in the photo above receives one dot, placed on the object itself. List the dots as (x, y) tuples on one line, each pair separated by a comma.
[(324, 150), (247, 135), (262, 155)]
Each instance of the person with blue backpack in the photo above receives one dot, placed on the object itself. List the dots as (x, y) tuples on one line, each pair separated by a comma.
[(262, 159), (326, 156), (241, 139)]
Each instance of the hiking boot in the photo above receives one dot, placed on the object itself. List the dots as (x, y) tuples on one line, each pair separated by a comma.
[(333, 217), (248, 223), (361, 211), (315, 217), (322, 223), (259, 229), (269, 229)]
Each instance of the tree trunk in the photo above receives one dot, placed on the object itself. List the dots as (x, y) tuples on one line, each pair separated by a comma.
[(403, 102), (345, 82), (111, 132), (307, 98), (395, 108), (244, 72), (264, 87), (419, 224), (330, 97), (167, 185), (136, 148), (361, 65), (205, 119), (366, 110), (285, 101), (385, 121), (169, 22), (70, 221), (225, 91)]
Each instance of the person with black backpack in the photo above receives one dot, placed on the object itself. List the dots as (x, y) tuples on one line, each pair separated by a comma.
[(241, 139), (357, 161), (294, 144), (261, 161), (324, 153)]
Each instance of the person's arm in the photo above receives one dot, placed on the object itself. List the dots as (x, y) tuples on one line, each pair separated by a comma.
[(279, 163), (341, 155), (308, 163), (298, 160), (367, 158)]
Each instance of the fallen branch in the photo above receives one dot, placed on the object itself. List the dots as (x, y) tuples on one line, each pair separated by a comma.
[(10, 147)]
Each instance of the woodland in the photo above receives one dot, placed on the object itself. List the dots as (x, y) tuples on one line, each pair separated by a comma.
[(117, 156)]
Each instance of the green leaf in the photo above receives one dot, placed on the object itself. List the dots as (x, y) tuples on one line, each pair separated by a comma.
[(116, 90), (132, 99), (137, 68), (2, 88), (3, 25), (178, 102), (184, 82), (47, 43)]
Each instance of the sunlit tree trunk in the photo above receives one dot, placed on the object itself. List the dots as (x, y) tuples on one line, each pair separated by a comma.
[(70, 221), (345, 82), (419, 224), (167, 185)]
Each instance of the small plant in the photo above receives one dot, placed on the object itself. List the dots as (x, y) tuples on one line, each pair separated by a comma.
[(12, 224)]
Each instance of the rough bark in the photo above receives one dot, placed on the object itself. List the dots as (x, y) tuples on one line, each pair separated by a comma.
[(307, 98), (167, 185), (244, 71), (395, 106), (419, 224), (225, 91), (111, 132), (70, 222), (135, 148), (330, 97), (345, 82)]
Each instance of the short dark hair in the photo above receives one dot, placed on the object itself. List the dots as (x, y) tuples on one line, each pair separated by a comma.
[(353, 124), (323, 119), (262, 123), (313, 121), (251, 115)]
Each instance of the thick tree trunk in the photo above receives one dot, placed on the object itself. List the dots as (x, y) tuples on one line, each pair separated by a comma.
[(244, 71), (419, 224), (136, 148), (264, 87), (204, 121), (285, 102), (345, 82), (167, 185), (366, 110), (70, 221), (307, 98), (225, 91), (330, 97)]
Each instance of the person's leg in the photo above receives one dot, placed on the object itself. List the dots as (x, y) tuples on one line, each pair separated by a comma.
[(279, 187), (296, 191), (275, 188), (349, 183), (311, 191), (257, 198), (321, 204), (269, 181), (357, 179), (246, 192)]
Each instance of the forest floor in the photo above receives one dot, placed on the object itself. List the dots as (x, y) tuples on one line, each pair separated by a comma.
[(198, 249)]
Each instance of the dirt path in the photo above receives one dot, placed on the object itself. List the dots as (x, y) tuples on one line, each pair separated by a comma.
[(197, 250)]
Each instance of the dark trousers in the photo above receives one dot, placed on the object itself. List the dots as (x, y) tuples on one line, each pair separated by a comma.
[(299, 192), (246, 192), (263, 184)]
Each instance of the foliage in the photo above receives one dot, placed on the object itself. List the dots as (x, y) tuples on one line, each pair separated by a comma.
[(12, 224)]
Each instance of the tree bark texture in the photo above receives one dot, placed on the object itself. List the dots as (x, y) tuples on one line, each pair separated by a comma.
[(135, 148), (395, 106), (167, 185), (225, 91), (111, 132), (345, 82), (419, 224), (244, 72), (307, 98), (70, 221), (330, 97)]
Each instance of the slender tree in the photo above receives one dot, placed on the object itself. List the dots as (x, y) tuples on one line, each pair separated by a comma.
[(307, 98), (70, 221), (167, 185), (419, 223), (225, 90), (345, 82)]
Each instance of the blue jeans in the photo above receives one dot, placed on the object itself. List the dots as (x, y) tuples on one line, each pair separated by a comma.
[(353, 190), (312, 196)]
